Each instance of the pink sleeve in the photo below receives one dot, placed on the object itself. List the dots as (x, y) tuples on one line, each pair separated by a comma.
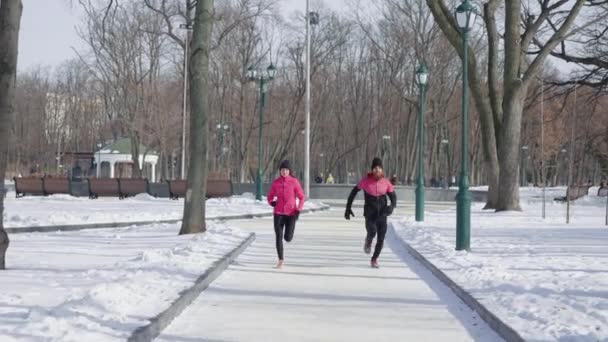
[(271, 192), (361, 183), (299, 195), (390, 187)]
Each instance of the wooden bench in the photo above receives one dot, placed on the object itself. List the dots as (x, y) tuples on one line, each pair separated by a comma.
[(177, 188), (56, 185), (574, 192), (132, 186), (103, 187), (219, 188), (28, 185), (215, 188)]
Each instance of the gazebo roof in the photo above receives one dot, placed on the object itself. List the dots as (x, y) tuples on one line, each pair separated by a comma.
[(123, 146)]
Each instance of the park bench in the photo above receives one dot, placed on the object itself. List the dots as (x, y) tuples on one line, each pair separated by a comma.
[(602, 192), (56, 185), (574, 192), (177, 188), (219, 188), (28, 185), (215, 188), (103, 187), (132, 186)]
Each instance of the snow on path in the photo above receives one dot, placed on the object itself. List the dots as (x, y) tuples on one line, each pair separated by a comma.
[(325, 292)]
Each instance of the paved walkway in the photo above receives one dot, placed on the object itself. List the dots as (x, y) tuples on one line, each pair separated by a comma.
[(325, 292)]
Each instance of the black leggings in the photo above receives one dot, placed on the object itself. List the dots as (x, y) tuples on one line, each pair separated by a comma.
[(376, 225), (289, 224)]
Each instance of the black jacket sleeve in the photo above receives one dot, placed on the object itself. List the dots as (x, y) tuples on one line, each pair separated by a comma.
[(351, 197), (393, 198)]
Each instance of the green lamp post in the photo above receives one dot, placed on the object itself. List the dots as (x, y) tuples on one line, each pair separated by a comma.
[(255, 76), (465, 17), (421, 78)]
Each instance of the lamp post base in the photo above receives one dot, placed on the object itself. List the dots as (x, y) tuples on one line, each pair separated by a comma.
[(258, 186), (463, 220), (420, 203)]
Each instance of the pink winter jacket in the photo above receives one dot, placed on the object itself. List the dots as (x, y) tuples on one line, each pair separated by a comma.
[(285, 190)]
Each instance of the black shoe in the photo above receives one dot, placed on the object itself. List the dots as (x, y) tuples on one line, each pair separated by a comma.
[(374, 263), (367, 248)]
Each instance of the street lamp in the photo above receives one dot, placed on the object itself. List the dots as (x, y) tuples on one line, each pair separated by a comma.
[(254, 76), (523, 166), (222, 129), (386, 150), (188, 28), (321, 155), (465, 16), (421, 78), (312, 18), (98, 160), (445, 142), (565, 166)]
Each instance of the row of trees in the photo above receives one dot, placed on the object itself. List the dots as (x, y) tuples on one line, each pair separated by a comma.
[(127, 81)]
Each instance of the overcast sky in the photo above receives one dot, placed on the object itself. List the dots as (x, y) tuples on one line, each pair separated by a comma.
[(48, 34), (48, 29)]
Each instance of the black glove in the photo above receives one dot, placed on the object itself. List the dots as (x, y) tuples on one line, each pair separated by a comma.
[(297, 214), (273, 203), (348, 213), (389, 211)]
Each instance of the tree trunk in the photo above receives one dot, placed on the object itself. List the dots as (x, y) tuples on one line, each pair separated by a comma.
[(194, 203), (509, 148), (10, 16)]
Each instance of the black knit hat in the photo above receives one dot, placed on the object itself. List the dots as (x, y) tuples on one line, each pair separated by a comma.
[(376, 162), (285, 165)]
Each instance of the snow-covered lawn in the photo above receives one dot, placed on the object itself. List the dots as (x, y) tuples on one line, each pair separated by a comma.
[(545, 278), (100, 285), (68, 210)]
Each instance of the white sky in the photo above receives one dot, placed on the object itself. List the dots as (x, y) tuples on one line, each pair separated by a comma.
[(48, 29), (48, 33)]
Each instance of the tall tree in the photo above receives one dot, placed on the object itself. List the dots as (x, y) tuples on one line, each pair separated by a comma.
[(10, 17), (194, 203), (500, 102)]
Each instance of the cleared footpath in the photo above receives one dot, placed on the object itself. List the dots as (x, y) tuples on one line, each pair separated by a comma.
[(325, 292)]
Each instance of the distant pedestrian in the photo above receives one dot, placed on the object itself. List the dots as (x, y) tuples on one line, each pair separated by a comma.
[(376, 209), (330, 179), (394, 180), (282, 195)]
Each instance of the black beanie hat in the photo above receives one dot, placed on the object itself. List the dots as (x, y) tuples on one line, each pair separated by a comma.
[(285, 165), (376, 162)]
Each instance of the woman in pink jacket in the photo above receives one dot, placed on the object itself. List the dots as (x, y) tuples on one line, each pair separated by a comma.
[(282, 196), (376, 189)]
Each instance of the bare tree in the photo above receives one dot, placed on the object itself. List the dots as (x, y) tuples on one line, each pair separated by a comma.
[(10, 17), (501, 105), (194, 204), (125, 49)]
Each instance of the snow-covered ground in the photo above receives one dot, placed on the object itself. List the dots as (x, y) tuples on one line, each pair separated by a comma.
[(545, 278), (100, 285), (66, 210)]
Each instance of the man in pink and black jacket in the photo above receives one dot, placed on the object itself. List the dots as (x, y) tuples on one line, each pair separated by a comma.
[(282, 196), (375, 188)]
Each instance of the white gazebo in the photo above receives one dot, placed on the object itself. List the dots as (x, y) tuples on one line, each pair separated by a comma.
[(119, 152)]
